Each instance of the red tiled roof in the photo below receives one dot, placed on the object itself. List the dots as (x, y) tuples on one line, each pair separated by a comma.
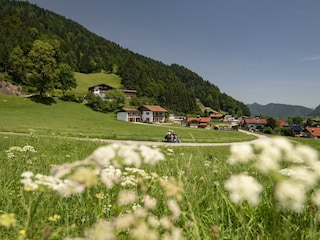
[(256, 121), (153, 108), (216, 115), (200, 120), (314, 131)]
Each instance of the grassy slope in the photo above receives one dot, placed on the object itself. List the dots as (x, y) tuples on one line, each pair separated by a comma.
[(87, 80), (73, 119)]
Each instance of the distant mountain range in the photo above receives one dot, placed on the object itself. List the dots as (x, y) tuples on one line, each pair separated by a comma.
[(282, 110)]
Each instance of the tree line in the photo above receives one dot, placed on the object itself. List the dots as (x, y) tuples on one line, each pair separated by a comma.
[(24, 27)]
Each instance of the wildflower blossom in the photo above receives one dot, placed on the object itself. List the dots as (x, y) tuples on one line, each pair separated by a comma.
[(244, 188), (110, 176), (101, 230), (151, 155), (241, 154), (85, 176), (173, 188), (54, 218), (126, 197), (174, 208), (8, 220), (290, 195)]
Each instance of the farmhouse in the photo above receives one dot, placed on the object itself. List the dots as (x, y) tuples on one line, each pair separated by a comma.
[(101, 89), (313, 132), (217, 117), (198, 122), (129, 115), (150, 113), (254, 124)]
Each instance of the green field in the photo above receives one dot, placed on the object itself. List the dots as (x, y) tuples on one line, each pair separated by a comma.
[(219, 192), (70, 119)]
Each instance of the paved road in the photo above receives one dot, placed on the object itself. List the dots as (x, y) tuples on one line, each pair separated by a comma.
[(160, 143)]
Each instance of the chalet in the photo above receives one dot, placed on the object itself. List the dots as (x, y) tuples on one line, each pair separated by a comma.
[(217, 117), (150, 113), (129, 115), (313, 132), (198, 122), (129, 93), (101, 89), (254, 124)]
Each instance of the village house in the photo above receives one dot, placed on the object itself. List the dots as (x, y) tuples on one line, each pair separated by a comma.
[(197, 122), (129, 115), (216, 117), (150, 113), (101, 89), (145, 113), (313, 132), (254, 124)]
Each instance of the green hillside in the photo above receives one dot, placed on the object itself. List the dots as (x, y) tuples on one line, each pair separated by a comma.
[(174, 87), (84, 81)]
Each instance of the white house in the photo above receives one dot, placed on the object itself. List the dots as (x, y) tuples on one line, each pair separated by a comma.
[(129, 115), (150, 113)]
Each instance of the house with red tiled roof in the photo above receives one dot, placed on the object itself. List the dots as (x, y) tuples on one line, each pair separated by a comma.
[(313, 132), (151, 113), (216, 116), (199, 122), (254, 124)]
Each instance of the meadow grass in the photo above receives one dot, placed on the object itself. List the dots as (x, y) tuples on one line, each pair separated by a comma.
[(84, 81), (76, 120), (206, 210)]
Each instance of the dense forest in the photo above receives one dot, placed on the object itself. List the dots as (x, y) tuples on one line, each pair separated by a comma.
[(173, 87)]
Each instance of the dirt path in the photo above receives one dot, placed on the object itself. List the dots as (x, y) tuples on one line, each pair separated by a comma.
[(157, 143)]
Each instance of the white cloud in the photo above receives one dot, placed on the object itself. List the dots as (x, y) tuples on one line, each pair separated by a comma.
[(314, 58)]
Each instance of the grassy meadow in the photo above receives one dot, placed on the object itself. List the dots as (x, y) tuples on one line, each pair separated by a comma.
[(57, 187), (70, 119), (205, 208)]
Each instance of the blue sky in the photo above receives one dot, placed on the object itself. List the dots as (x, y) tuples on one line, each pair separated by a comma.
[(255, 51)]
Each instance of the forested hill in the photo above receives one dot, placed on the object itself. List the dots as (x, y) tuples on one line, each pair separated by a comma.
[(173, 87)]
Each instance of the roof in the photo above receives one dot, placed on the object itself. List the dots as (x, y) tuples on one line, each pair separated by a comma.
[(127, 91), (200, 120), (314, 131), (128, 110), (216, 115), (259, 121), (152, 108), (102, 85)]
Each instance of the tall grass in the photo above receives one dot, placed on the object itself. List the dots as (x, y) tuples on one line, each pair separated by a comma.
[(206, 209)]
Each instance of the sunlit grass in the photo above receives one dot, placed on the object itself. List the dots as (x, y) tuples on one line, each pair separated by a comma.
[(207, 211), (75, 119)]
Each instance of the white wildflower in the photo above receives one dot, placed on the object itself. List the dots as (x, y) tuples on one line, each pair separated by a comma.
[(149, 202), (266, 163), (287, 172), (126, 197), (28, 148), (69, 187), (151, 156), (316, 197), (290, 195), (110, 176), (101, 230), (304, 175), (174, 209), (242, 153), (244, 188), (103, 155)]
